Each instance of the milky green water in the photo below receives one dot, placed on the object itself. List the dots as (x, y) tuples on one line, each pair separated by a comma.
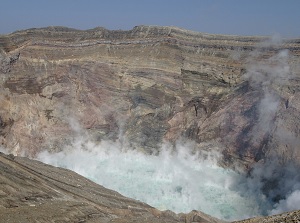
[(176, 181)]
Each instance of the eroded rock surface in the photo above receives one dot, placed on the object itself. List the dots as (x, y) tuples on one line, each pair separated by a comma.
[(147, 85), (236, 95), (293, 216)]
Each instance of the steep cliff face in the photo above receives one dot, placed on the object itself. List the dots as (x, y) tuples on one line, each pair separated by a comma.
[(149, 85), (141, 88)]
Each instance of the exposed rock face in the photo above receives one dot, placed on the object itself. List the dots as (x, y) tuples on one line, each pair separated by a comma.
[(147, 85), (239, 95), (31, 191), (293, 216)]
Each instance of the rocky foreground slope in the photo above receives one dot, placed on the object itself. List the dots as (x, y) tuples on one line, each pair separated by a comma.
[(236, 95), (31, 191)]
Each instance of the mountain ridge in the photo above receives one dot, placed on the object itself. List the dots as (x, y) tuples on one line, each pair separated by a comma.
[(238, 96)]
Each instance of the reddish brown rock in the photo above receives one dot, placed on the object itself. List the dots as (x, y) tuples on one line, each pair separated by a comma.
[(147, 84), (237, 95)]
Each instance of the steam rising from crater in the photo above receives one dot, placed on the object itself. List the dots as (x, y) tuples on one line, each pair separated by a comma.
[(181, 180), (176, 179), (277, 179)]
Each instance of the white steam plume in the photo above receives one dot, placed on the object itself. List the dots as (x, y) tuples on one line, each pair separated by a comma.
[(279, 182), (292, 202), (179, 180), (175, 179)]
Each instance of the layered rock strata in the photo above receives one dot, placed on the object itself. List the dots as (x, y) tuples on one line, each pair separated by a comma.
[(145, 86), (142, 87)]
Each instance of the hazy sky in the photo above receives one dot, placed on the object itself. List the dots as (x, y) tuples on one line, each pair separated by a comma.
[(237, 17)]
